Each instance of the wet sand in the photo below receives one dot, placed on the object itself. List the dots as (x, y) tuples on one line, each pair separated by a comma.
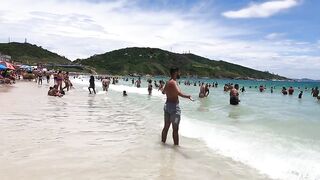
[(83, 136)]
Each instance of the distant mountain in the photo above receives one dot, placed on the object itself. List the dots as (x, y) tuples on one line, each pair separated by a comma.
[(137, 61), (157, 62), (306, 80), (31, 54)]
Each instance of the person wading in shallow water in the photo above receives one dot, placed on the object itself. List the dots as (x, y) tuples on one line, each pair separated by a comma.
[(149, 86), (234, 95), (202, 91), (92, 85), (172, 112)]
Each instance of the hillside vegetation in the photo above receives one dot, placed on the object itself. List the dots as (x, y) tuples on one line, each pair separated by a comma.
[(157, 62), (140, 61), (26, 53)]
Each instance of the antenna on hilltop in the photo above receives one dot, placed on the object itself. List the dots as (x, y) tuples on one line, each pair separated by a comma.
[(9, 40), (25, 40)]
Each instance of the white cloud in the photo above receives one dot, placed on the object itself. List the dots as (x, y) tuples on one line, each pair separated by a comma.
[(273, 36), (79, 29), (262, 10)]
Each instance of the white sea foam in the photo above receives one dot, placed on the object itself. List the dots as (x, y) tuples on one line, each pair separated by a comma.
[(120, 88), (271, 155)]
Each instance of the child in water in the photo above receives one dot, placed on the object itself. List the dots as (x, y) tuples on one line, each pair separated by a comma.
[(124, 93), (300, 95)]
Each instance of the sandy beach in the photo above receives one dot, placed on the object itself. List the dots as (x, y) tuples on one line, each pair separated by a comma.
[(80, 136)]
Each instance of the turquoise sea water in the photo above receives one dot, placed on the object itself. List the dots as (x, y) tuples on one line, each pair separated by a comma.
[(277, 135)]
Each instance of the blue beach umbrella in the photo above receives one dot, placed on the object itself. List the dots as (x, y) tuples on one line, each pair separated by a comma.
[(2, 67)]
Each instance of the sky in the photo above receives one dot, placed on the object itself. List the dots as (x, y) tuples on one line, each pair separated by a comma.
[(279, 36)]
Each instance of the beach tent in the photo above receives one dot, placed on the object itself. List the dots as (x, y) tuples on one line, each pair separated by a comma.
[(2, 67), (25, 67), (7, 65)]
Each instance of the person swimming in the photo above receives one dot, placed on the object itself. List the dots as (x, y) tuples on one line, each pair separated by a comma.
[(284, 91), (124, 93), (261, 88), (234, 95), (290, 91)]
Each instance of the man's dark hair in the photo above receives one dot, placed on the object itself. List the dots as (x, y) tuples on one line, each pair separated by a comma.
[(173, 70)]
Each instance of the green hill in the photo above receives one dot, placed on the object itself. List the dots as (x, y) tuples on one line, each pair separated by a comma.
[(157, 62), (31, 54), (136, 61)]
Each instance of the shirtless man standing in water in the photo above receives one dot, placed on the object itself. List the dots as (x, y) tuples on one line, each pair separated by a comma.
[(234, 95), (172, 110), (202, 91)]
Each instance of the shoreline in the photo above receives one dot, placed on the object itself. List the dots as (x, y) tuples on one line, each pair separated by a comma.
[(60, 148)]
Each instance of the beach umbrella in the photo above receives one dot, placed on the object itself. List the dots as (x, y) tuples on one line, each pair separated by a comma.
[(2, 67), (8, 65)]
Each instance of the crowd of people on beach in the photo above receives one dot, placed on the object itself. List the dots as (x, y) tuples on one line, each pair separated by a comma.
[(172, 112), (8, 77)]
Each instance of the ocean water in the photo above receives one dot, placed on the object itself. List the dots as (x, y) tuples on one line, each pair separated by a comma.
[(102, 136), (277, 135)]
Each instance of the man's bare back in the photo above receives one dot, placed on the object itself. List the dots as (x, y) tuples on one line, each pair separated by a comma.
[(172, 91)]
